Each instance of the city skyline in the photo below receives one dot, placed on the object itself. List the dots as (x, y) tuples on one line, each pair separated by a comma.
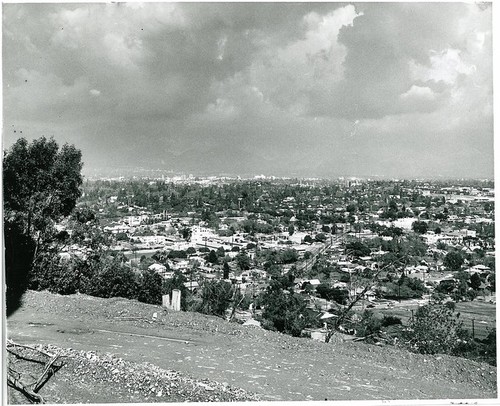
[(299, 89)]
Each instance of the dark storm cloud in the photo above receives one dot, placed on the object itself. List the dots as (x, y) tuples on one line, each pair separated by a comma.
[(325, 87)]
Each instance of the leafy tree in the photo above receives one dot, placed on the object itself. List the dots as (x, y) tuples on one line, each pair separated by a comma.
[(351, 208), (462, 291), (121, 237), (435, 330), (112, 279), (390, 320), (475, 281), (186, 233), (490, 347), (150, 288), (161, 257), (491, 279), (273, 270), (338, 295), (453, 261), (145, 262), (369, 326), (289, 256), (41, 184), (212, 257), (441, 245), (216, 297), (446, 286), (226, 270), (420, 227), (357, 248), (53, 275), (320, 237), (284, 310), (177, 254), (243, 260)]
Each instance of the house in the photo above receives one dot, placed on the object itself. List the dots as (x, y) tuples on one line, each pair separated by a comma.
[(313, 282), (157, 268), (478, 269), (115, 228), (192, 285)]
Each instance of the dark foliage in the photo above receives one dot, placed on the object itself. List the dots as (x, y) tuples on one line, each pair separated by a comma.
[(453, 261), (216, 297), (357, 248), (284, 310), (19, 251), (389, 320), (338, 295), (149, 289), (41, 184), (435, 329)]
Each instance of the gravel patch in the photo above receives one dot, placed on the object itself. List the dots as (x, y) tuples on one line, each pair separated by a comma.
[(120, 381)]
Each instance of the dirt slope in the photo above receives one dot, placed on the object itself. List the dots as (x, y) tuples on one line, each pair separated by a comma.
[(271, 365)]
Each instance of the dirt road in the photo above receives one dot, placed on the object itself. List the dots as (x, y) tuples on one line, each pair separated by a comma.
[(275, 366)]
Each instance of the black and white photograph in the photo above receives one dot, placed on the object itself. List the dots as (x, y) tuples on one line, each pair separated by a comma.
[(248, 202)]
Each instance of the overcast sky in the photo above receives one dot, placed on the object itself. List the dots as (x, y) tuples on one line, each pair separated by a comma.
[(326, 89)]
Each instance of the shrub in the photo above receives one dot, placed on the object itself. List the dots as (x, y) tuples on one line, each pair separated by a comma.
[(216, 297), (113, 279), (390, 321), (149, 287), (177, 254), (435, 329), (369, 326), (285, 310)]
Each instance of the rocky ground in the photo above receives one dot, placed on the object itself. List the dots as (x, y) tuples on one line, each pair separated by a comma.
[(116, 350), (89, 377)]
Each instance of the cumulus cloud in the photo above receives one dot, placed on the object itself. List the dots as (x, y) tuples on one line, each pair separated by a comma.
[(307, 67), (445, 66), (291, 82), (419, 92)]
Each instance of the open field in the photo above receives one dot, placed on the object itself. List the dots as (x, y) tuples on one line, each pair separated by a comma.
[(481, 314), (271, 365)]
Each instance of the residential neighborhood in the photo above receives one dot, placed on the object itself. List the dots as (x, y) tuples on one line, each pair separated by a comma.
[(395, 243)]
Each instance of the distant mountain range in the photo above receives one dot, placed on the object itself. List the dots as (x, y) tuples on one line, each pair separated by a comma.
[(237, 161)]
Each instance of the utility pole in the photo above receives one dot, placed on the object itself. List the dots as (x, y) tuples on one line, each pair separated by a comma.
[(253, 297)]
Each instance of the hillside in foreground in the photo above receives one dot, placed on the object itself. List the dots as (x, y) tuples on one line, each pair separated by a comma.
[(117, 350)]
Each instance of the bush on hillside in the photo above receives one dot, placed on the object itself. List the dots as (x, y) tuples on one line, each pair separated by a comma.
[(436, 330), (216, 297), (149, 287)]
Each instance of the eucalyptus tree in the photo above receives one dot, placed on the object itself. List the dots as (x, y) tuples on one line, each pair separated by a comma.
[(41, 184)]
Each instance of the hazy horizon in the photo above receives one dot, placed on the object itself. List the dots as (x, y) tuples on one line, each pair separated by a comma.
[(389, 90)]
